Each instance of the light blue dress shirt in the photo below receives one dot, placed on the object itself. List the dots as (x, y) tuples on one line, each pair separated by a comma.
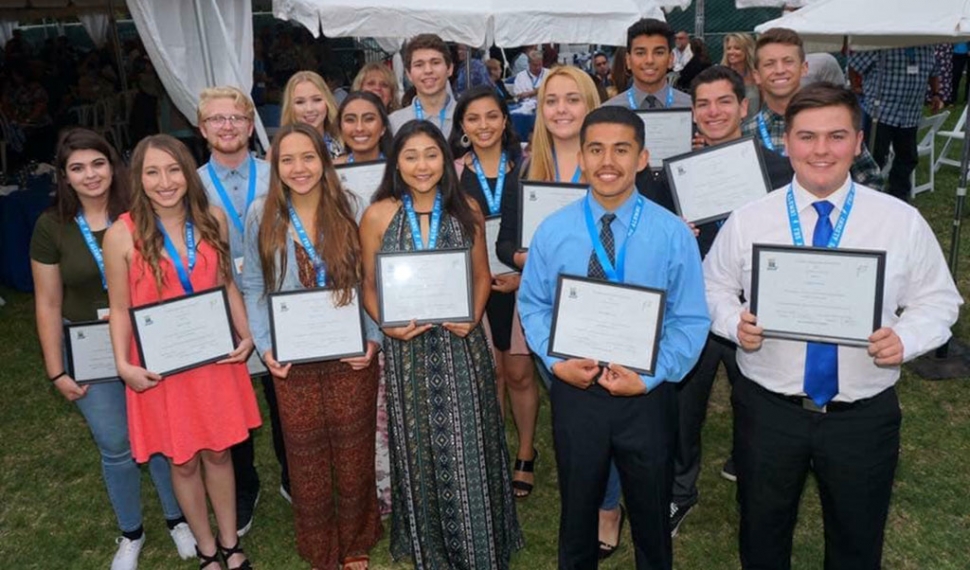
[(254, 293), (662, 254)]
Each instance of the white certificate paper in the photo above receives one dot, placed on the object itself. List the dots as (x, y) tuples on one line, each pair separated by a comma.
[(709, 184), (361, 178), (307, 326), (537, 200), (608, 322), (89, 355), (668, 132), (183, 333), (818, 294), (431, 286), (495, 265)]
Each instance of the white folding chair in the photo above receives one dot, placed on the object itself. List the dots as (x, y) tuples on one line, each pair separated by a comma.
[(929, 127), (950, 136)]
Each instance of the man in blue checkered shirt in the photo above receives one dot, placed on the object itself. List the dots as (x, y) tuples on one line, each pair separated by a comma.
[(893, 86)]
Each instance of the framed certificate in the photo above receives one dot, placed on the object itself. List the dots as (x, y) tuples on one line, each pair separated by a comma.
[(307, 326), (495, 265), (362, 178), (90, 358), (668, 132), (709, 184), (608, 322), (539, 199), (818, 294), (429, 286), (184, 333)]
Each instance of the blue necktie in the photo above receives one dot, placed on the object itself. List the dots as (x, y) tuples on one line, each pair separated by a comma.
[(822, 359)]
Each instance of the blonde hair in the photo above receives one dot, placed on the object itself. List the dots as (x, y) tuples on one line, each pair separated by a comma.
[(541, 165), (288, 115), (388, 76), (746, 42), (239, 98)]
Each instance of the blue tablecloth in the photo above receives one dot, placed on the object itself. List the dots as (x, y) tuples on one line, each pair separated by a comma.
[(18, 214), (523, 125)]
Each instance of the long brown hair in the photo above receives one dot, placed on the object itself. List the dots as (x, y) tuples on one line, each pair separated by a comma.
[(148, 240), (339, 248), (66, 204)]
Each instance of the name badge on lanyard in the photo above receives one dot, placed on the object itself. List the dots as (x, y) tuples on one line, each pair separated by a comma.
[(616, 274)]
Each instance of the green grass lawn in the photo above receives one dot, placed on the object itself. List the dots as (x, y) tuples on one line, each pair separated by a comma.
[(54, 512)]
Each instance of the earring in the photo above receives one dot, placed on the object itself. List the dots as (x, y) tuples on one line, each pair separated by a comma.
[(464, 140)]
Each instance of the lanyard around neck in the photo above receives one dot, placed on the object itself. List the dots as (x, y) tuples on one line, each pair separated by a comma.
[(577, 174), (493, 198), (616, 274), (184, 273), (93, 246), (351, 158), (318, 266), (798, 237), (416, 227), (765, 136), (236, 217), (632, 101), (419, 113)]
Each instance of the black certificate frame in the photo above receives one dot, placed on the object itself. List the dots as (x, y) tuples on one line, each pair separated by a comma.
[(69, 349), (470, 317), (133, 313), (315, 291), (660, 293), (758, 249), (522, 189), (673, 161), (670, 110)]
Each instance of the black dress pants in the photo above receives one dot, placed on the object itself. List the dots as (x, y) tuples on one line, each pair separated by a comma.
[(244, 456), (590, 428), (904, 143), (852, 452)]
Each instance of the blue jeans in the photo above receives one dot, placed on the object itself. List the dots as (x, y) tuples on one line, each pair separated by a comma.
[(611, 499), (104, 409)]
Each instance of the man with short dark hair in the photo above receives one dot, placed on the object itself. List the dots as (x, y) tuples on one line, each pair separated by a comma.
[(601, 70), (427, 61), (612, 413), (649, 45), (812, 406)]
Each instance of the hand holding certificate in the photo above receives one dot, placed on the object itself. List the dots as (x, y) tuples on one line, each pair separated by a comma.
[(668, 132), (607, 322), (537, 200), (818, 294), (183, 333), (308, 326), (361, 178), (89, 355), (428, 286), (709, 184)]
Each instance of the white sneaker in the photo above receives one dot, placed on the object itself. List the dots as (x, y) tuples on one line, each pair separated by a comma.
[(184, 540), (127, 556)]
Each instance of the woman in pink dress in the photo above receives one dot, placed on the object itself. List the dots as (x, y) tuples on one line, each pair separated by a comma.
[(171, 244)]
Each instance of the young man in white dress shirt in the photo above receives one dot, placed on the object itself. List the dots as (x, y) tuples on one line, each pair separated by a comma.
[(832, 410)]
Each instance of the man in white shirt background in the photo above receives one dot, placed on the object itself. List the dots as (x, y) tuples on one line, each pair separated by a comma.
[(527, 82), (682, 52)]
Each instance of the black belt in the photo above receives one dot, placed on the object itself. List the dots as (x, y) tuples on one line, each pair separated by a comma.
[(807, 403)]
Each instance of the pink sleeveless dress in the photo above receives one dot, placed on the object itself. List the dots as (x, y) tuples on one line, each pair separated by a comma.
[(212, 407)]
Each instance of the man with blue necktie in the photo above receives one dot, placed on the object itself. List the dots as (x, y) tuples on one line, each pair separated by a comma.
[(825, 408)]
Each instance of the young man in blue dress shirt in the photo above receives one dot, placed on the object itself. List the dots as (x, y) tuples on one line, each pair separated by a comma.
[(613, 413)]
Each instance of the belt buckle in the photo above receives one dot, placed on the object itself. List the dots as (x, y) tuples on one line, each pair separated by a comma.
[(810, 405)]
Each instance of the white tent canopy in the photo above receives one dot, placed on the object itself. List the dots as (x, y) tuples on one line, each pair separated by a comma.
[(874, 24), (772, 3)]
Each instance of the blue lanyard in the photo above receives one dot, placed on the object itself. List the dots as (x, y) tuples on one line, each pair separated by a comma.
[(174, 254), (419, 112), (615, 275), (633, 102), (765, 137), (577, 174), (351, 159), (318, 266), (416, 227), (494, 199), (798, 238), (535, 80), (237, 219), (498, 90), (92, 246)]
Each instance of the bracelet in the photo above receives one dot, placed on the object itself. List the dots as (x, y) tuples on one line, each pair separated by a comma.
[(58, 377)]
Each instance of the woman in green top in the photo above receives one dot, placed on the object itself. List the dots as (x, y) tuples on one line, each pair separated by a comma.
[(69, 284)]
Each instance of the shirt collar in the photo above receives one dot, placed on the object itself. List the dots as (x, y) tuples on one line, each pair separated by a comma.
[(804, 199), (660, 94), (623, 214), (224, 172)]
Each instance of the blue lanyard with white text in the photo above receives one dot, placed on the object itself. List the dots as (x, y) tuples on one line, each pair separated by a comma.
[(633, 102), (318, 266), (577, 174), (236, 217), (765, 137), (798, 238), (176, 258), (494, 199), (416, 227), (351, 159), (419, 112), (615, 275), (535, 80), (92, 246)]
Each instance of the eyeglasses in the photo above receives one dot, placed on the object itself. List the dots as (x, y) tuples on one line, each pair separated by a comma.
[(220, 120)]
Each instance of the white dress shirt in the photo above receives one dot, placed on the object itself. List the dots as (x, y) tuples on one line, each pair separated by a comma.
[(682, 57), (917, 281), (525, 81)]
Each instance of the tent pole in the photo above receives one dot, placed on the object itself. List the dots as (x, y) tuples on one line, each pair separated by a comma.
[(119, 55), (210, 78)]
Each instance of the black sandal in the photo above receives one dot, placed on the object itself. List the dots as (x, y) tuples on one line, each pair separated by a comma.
[(607, 550), (525, 467), (207, 560), (227, 552)]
